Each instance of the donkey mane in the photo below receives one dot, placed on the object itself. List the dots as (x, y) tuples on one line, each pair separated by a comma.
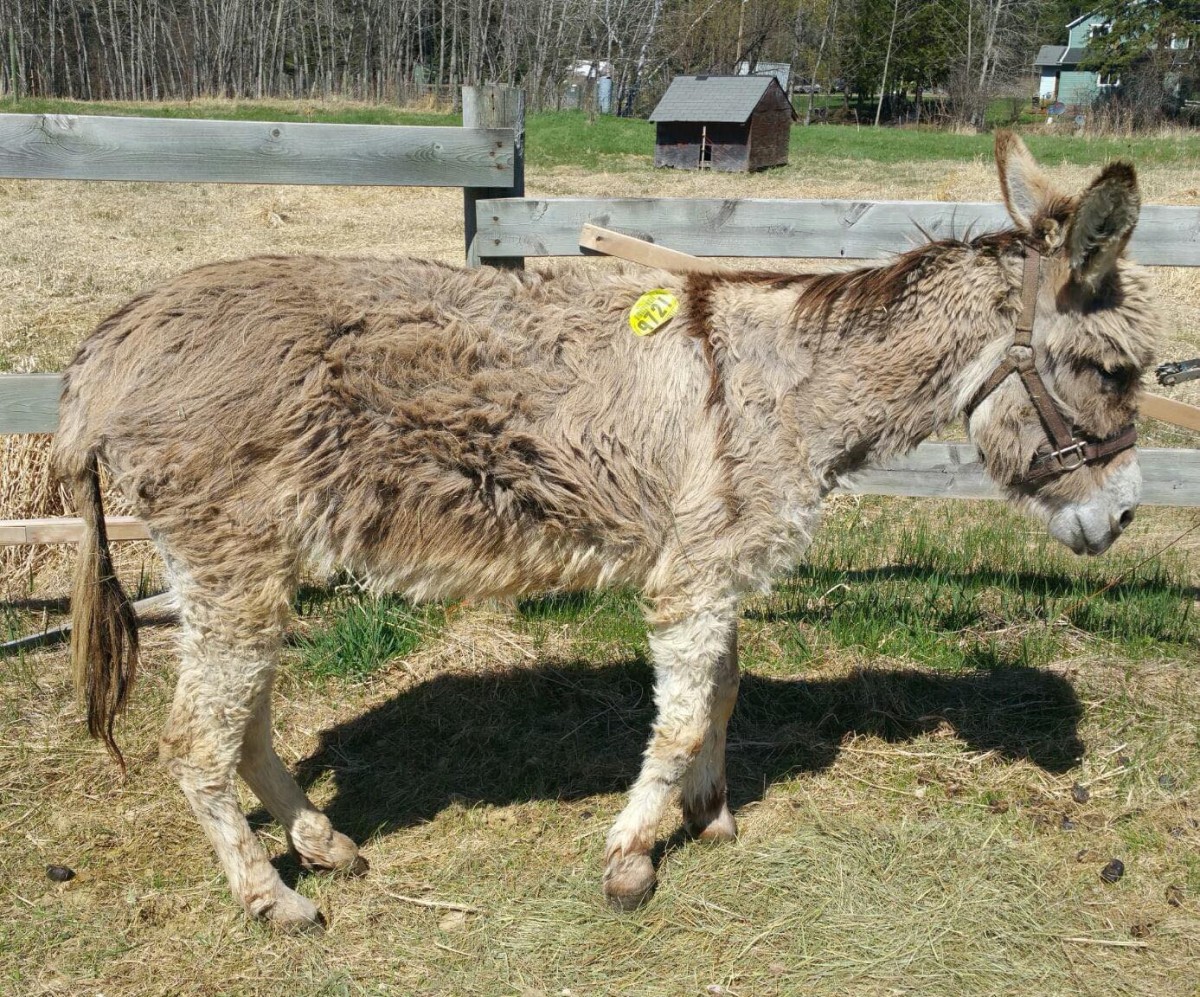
[(852, 295), (855, 294)]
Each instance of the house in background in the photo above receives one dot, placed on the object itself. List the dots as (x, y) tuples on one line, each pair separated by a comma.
[(728, 123), (1061, 78), (782, 71)]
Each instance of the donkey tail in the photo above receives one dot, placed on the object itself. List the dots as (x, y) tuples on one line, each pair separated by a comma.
[(104, 638)]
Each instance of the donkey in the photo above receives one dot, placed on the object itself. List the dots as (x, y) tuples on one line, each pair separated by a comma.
[(449, 433)]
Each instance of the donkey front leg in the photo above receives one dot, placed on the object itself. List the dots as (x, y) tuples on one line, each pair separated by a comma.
[(705, 795), (694, 695), (311, 834), (224, 671)]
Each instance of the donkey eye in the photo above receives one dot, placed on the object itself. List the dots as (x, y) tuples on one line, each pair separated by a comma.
[(1117, 379)]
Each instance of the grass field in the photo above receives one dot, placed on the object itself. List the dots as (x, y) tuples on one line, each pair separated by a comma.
[(947, 728), (566, 138)]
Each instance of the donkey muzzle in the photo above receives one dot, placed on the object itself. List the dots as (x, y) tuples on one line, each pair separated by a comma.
[(1090, 527)]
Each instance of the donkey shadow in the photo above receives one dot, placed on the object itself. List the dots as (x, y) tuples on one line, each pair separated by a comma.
[(568, 730)]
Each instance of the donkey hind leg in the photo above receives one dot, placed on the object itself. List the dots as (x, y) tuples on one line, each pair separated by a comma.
[(309, 831), (690, 659), (227, 660), (704, 795)]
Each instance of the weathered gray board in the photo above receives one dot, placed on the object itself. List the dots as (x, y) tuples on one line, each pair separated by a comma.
[(952, 470), (155, 609), (1167, 235), (29, 402), (85, 147)]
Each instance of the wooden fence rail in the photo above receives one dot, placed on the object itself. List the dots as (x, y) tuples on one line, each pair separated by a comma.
[(78, 147), (1166, 235), (933, 470)]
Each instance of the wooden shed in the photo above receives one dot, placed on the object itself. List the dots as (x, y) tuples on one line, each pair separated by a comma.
[(729, 123)]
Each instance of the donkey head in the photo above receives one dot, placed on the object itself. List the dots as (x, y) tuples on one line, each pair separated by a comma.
[(1053, 415)]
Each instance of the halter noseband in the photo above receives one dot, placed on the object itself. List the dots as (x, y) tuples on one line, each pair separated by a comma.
[(1068, 452)]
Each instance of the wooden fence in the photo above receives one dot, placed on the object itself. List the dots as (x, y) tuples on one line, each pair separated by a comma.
[(1166, 235), (503, 230), (70, 147)]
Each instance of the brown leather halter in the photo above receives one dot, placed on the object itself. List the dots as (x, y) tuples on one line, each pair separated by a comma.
[(1068, 451)]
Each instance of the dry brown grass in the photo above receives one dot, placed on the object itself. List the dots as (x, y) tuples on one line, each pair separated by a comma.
[(902, 832), (902, 829)]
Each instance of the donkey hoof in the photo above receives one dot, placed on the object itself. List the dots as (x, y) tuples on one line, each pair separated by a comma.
[(721, 827), (629, 881), (313, 927), (294, 914), (336, 854)]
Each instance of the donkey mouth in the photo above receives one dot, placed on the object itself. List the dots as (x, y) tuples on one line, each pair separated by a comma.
[(1077, 531), (1091, 550)]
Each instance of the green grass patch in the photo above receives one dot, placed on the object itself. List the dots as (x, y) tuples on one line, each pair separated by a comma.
[(358, 633), (902, 145), (940, 586), (567, 139), (596, 619), (950, 591)]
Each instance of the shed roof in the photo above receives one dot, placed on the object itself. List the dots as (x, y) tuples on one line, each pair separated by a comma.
[(712, 98)]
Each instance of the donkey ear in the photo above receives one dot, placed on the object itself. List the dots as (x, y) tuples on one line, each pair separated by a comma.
[(1027, 190), (1103, 222)]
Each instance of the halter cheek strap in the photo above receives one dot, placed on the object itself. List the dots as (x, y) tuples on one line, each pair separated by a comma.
[(1068, 451)]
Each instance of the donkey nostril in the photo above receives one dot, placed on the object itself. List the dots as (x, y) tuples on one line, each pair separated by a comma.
[(1126, 519)]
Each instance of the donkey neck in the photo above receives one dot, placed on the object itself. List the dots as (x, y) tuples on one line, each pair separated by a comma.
[(880, 357)]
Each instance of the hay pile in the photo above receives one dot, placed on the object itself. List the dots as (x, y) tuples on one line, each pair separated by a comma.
[(27, 491)]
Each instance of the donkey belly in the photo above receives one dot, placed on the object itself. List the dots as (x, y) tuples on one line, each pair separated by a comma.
[(429, 568), (440, 514)]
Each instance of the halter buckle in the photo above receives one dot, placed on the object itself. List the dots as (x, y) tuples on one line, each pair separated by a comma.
[(1069, 458)]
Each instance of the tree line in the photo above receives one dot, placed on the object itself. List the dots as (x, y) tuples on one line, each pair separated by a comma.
[(886, 53)]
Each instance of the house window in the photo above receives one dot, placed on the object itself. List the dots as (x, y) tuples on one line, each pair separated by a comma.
[(1108, 80), (1178, 42), (1099, 30)]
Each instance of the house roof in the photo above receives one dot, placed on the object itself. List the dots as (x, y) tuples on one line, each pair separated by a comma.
[(1049, 55), (1059, 55), (1081, 18), (712, 98)]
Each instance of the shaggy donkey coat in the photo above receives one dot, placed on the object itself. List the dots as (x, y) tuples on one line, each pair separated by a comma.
[(447, 433)]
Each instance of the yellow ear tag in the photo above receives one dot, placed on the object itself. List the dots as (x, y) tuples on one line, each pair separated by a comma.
[(652, 311)]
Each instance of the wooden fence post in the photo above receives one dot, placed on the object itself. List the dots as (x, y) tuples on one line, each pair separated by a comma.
[(494, 106)]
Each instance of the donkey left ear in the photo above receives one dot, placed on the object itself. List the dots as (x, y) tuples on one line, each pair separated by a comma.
[(1027, 191), (1103, 222)]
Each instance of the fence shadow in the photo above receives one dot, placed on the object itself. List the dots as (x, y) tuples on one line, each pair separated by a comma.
[(571, 729)]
